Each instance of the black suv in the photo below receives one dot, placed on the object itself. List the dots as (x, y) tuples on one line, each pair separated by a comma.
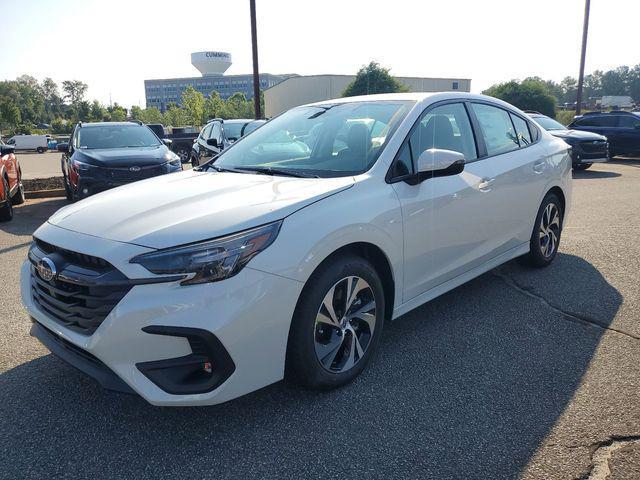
[(104, 155), (587, 148), (219, 134), (621, 128)]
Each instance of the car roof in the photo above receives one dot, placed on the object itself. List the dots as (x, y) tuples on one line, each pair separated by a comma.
[(418, 97), (238, 120), (102, 124)]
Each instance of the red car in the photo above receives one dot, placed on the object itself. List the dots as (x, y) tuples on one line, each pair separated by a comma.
[(11, 190)]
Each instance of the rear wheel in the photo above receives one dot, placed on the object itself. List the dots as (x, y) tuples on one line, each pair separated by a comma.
[(545, 238), (6, 210), (40, 149), (582, 166), (194, 161), (183, 153), (337, 324)]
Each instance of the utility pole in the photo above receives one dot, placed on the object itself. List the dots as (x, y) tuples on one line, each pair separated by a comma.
[(254, 48), (585, 29)]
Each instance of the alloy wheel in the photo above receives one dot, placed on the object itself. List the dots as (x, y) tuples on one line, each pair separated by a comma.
[(344, 324), (549, 230)]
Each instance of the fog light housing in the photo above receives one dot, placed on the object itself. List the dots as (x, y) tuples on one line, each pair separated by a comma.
[(204, 369)]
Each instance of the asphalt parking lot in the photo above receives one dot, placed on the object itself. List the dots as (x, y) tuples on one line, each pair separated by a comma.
[(519, 374), (40, 165)]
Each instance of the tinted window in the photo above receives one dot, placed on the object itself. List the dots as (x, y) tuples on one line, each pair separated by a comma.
[(497, 129), (233, 130), (216, 131), (628, 121), (596, 121), (116, 136), (446, 127), (522, 130), (549, 123)]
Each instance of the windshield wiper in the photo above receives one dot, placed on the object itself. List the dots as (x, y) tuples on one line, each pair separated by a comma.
[(278, 171), (217, 168)]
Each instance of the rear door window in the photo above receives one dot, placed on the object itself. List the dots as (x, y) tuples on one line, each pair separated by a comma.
[(522, 130), (627, 121), (497, 129)]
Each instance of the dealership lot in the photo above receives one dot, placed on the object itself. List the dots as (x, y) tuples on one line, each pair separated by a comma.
[(518, 373)]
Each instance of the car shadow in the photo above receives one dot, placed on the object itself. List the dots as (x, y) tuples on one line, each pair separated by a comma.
[(466, 386), (593, 174), (31, 214)]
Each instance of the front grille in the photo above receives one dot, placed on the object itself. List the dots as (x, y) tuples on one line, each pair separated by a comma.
[(84, 291), (599, 146), (125, 175)]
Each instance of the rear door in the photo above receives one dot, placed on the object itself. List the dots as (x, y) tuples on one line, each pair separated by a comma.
[(519, 174), (628, 134)]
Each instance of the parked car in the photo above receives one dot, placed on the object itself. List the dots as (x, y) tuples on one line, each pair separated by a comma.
[(622, 129), (11, 189), (104, 155), (39, 143), (199, 287), (587, 148), (219, 134), (182, 139)]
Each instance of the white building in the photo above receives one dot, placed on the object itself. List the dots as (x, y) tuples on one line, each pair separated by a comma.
[(299, 90)]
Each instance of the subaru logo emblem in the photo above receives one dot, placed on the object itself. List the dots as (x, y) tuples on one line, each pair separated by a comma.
[(134, 169), (46, 269)]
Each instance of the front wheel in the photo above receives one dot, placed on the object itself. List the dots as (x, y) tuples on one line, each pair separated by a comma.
[(195, 162), (6, 210), (183, 153), (337, 324), (545, 238), (40, 149)]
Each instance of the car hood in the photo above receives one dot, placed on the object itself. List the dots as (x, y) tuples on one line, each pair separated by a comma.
[(123, 157), (576, 135), (191, 206)]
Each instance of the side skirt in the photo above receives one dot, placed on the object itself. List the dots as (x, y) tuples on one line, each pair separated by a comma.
[(459, 280)]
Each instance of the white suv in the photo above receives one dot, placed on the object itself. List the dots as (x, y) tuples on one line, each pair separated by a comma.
[(286, 255)]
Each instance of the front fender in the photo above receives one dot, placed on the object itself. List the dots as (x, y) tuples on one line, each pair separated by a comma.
[(369, 212)]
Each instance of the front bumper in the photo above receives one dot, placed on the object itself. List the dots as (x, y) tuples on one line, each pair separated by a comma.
[(249, 314), (100, 179), (587, 152)]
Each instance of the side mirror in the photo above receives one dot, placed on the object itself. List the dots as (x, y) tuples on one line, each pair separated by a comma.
[(167, 141), (63, 147), (436, 162), (6, 150), (213, 142)]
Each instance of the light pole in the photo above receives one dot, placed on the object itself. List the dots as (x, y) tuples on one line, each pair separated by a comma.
[(254, 48), (585, 29)]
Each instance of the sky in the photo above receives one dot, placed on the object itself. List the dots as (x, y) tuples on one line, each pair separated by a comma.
[(114, 45)]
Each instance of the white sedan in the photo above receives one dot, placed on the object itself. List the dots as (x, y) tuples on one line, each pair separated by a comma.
[(200, 286)]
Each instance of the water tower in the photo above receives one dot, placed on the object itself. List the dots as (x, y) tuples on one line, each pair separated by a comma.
[(211, 63)]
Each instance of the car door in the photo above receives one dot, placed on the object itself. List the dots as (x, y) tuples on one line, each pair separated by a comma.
[(443, 221), (519, 174), (628, 134), (209, 151), (201, 141)]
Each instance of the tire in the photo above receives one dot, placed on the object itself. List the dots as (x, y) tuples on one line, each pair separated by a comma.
[(6, 210), (545, 238), (183, 153), (40, 149), (582, 166), (67, 189), (327, 350), (18, 197), (194, 162)]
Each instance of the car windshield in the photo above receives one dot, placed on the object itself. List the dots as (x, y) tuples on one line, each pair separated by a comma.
[(233, 130), (330, 140), (549, 123), (116, 136)]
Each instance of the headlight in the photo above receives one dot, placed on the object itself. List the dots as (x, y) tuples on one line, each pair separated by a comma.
[(79, 166), (173, 159), (212, 260)]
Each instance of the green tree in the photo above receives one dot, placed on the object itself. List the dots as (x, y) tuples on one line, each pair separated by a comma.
[(237, 106), (371, 79), (97, 112), (174, 116), (74, 90), (214, 107), (193, 105), (9, 114), (117, 113), (526, 95)]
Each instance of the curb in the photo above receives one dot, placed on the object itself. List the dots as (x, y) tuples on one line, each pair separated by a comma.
[(56, 192)]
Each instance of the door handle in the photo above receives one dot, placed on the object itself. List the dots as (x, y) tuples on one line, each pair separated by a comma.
[(538, 166), (485, 184)]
